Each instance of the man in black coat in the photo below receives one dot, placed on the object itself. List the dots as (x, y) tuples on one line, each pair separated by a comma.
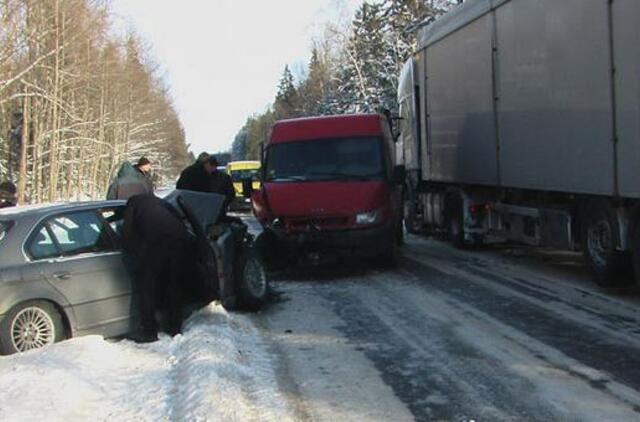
[(160, 250), (197, 176), (221, 183)]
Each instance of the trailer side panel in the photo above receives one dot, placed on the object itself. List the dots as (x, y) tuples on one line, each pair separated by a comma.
[(462, 140), (626, 35), (555, 102)]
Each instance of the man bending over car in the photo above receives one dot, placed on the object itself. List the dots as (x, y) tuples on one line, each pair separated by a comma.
[(161, 250)]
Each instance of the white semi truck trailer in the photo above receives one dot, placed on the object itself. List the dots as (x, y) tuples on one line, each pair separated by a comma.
[(521, 121)]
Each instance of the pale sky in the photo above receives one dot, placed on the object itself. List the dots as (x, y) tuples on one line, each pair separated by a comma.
[(223, 58)]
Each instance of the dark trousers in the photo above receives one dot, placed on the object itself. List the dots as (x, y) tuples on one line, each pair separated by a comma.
[(162, 266)]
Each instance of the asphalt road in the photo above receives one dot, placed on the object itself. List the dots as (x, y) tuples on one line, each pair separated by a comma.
[(504, 333)]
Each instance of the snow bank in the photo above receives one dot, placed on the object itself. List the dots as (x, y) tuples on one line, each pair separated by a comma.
[(217, 370)]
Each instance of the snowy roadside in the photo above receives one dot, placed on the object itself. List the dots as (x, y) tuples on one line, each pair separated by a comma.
[(218, 369)]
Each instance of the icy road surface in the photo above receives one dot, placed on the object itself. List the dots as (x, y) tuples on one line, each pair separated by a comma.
[(499, 334)]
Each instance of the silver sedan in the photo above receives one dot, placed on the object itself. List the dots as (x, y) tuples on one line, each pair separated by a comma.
[(62, 274)]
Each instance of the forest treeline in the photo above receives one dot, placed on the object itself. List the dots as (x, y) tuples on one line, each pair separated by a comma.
[(76, 100), (354, 68)]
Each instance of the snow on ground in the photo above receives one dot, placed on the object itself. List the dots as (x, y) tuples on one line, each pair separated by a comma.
[(217, 369)]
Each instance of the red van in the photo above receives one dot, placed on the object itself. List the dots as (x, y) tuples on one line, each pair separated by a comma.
[(329, 186)]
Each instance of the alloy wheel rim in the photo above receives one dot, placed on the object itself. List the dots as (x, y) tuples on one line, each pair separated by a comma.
[(32, 328)]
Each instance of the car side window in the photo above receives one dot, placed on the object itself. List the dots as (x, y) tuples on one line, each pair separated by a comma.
[(42, 245), (81, 232), (114, 217)]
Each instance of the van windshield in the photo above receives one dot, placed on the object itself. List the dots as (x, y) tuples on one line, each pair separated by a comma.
[(354, 158)]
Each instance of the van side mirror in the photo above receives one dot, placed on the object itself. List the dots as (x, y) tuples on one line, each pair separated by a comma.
[(393, 120), (247, 187), (395, 127), (399, 174)]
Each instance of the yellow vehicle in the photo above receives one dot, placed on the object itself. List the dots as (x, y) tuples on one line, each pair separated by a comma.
[(241, 170)]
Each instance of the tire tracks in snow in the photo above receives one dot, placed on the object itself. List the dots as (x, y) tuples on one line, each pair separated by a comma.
[(605, 362), (455, 344), (438, 376)]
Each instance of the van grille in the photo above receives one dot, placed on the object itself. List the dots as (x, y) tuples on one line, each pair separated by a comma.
[(310, 224)]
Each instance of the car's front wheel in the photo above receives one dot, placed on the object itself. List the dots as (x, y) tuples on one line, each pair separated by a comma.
[(30, 325), (252, 282)]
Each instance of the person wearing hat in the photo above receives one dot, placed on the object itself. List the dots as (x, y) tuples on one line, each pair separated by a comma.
[(8, 194), (131, 180), (197, 177), (144, 166), (221, 183)]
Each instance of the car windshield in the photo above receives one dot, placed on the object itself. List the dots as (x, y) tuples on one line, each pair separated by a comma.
[(240, 175), (355, 158)]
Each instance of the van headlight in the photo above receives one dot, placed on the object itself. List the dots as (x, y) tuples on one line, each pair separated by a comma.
[(369, 217)]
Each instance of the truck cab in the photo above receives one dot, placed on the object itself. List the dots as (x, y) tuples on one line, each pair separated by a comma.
[(329, 186)]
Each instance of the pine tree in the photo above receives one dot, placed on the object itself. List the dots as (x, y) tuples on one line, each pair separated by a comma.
[(382, 38), (286, 103), (362, 76), (239, 145), (316, 88)]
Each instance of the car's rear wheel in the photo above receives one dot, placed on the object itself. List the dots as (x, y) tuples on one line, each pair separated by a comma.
[(252, 282), (30, 325)]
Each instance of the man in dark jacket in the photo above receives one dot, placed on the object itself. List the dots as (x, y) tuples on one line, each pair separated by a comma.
[(160, 250), (8, 194), (144, 168), (197, 176), (221, 183), (129, 182)]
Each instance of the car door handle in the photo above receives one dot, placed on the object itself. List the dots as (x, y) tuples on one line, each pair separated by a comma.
[(63, 275)]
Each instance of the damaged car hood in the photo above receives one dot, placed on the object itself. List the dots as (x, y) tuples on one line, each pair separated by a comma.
[(206, 207)]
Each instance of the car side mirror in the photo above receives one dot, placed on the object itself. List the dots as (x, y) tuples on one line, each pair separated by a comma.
[(247, 187), (399, 174)]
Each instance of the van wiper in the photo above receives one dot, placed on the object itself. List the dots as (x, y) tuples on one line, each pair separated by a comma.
[(287, 179)]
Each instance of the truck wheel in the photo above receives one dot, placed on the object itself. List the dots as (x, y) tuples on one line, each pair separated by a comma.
[(252, 283), (30, 325), (455, 220), (635, 248), (608, 266)]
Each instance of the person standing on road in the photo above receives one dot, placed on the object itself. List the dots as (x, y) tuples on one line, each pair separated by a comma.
[(144, 168), (221, 183), (8, 194), (197, 177), (131, 180), (158, 251)]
